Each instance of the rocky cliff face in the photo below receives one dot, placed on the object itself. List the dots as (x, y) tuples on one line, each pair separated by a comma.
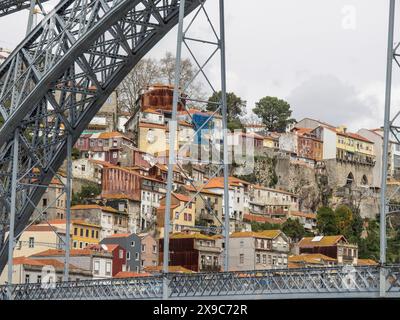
[(321, 184)]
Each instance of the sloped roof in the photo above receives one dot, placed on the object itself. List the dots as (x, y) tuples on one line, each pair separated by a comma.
[(93, 206), (323, 241), (119, 235), (256, 218), (312, 258), (218, 182), (44, 262), (73, 252), (308, 215), (172, 269), (366, 262), (181, 197), (130, 274), (267, 234), (196, 235)]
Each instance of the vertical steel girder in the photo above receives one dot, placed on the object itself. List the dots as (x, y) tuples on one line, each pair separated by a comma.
[(57, 79), (185, 41), (336, 282)]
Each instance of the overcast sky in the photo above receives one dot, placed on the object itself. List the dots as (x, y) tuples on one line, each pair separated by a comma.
[(326, 58)]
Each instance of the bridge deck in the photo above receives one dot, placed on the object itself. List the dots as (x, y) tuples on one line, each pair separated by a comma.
[(338, 282)]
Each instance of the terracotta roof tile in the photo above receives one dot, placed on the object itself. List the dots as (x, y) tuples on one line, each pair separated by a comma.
[(196, 235), (266, 234), (256, 218), (129, 274), (322, 241), (93, 206), (312, 258)]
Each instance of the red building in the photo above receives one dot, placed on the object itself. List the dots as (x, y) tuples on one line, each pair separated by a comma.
[(118, 256), (308, 145), (193, 251), (336, 247), (158, 97), (113, 147), (118, 180)]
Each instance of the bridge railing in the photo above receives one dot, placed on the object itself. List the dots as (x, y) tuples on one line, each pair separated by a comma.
[(303, 283)]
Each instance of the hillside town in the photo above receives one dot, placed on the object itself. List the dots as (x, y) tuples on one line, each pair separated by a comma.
[(310, 200)]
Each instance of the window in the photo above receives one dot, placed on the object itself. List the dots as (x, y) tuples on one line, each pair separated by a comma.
[(264, 259), (121, 253), (83, 167), (128, 255), (137, 256), (97, 234), (75, 244), (87, 233), (115, 155), (92, 233), (190, 217), (241, 258), (44, 202), (258, 258), (80, 245), (96, 267), (108, 268), (176, 215), (39, 279), (132, 243), (31, 242), (75, 231), (154, 249), (81, 232), (143, 247), (27, 277)]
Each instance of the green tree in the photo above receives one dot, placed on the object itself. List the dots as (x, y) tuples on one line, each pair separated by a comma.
[(274, 113), (89, 191), (344, 220), (293, 229), (258, 226), (75, 153), (235, 107), (368, 248), (326, 221)]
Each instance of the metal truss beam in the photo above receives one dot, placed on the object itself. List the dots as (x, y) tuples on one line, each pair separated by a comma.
[(311, 283), (57, 79), (11, 6)]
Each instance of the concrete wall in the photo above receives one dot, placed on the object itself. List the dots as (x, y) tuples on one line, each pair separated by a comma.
[(238, 246)]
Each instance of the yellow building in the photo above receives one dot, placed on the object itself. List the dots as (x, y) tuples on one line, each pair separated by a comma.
[(82, 232), (154, 138), (353, 147), (38, 238), (182, 214), (214, 201), (271, 140)]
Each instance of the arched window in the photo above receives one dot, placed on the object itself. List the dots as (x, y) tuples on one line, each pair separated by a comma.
[(364, 180), (350, 179)]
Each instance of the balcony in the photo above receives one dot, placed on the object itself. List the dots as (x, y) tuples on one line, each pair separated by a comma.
[(205, 248)]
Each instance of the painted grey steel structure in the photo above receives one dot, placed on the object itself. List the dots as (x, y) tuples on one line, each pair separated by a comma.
[(217, 41), (311, 283), (11, 6), (57, 79)]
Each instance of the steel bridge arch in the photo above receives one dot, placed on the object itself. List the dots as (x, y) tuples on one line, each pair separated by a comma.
[(57, 79)]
